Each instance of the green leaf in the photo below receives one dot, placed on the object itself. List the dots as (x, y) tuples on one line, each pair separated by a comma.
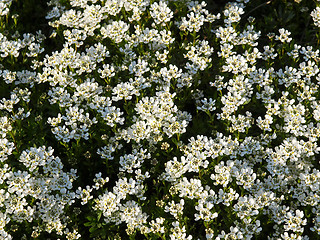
[(99, 216), (87, 224), (92, 229), (90, 218)]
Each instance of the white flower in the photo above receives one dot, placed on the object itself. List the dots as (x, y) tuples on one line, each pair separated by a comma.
[(157, 225), (315, 14), (108, 203), (116, 30), (194, 22), (295, 222), (233, 14), (5, 7), (284, 36), (178, 232), (268, 53), (160, 12)]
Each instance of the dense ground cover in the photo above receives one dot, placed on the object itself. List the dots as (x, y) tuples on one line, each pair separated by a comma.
[(159, 119)]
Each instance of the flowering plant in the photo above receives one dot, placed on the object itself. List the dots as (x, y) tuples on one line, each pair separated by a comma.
[(159, 119)]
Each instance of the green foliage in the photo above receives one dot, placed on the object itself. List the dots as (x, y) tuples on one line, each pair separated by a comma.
[(170, 149)]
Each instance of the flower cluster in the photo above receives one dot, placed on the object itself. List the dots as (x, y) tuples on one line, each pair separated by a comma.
[(39, 193)]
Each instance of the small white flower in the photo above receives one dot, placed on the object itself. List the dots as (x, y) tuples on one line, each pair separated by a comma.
[(315, 14), (284, 36)]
